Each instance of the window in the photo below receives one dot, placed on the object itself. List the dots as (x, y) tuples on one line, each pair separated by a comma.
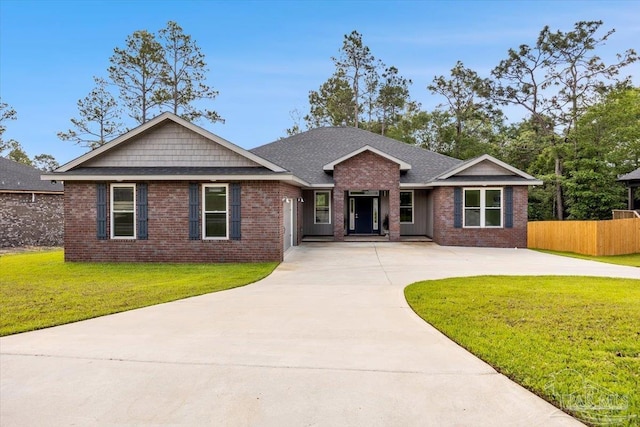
[(215, 219), (482, 207), (123, 211), (322, 205), (406, 207)]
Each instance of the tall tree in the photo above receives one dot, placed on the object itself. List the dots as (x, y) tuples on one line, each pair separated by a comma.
[(357, 65), (393, 97), (555, 81), (467, 101), (183, 75), (137, 71), (362, 92), (332, 104), (579, 74), (99, 119)]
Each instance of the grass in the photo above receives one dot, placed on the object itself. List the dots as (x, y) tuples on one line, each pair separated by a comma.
[(632, 260), (557, 336), (39, 290)]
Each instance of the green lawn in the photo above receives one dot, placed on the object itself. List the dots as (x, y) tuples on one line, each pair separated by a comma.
[(632, 260), (557, 336), (38, 289)]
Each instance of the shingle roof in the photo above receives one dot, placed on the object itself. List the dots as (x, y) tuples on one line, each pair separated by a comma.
[(15, 176), (306, 153), (631, 176)]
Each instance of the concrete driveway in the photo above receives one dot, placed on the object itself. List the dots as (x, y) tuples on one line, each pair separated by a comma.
[(326, 340)]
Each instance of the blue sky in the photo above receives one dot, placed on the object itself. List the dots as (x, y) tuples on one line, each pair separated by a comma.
[(265, 56)]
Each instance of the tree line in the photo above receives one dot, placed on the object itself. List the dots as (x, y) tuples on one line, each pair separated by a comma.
[(581, 126)]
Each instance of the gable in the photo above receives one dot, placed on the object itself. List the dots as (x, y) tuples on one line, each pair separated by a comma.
[(404, 166), (170, 145), (485, 168)]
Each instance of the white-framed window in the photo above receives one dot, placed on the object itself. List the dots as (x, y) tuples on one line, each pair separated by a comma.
[(482, 207), (322, 207), (406, 207), (123, 211), (215, 211)]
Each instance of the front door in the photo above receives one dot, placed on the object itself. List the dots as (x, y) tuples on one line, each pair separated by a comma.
[(364, 215)]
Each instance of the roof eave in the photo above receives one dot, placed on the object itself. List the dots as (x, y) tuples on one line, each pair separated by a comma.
[(485, 183)]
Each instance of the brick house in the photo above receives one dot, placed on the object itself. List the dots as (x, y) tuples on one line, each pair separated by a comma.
[(172, 191), (31, 210)]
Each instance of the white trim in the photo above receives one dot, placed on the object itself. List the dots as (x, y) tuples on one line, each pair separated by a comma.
[(483, 207), (376, 213), (320, 186), (478, 183), (204, 212), (413, 206), (352, 213), (111, 212), (156, 121), (315, 207), (404, 166), (469, 163)]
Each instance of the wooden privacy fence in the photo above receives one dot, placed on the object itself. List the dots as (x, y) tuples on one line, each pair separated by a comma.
[(612, 237)]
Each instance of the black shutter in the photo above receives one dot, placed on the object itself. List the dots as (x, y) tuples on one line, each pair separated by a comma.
[(234, 207), (457, 207), (101, 211), (142, 214), (194, 209), (508, 207)]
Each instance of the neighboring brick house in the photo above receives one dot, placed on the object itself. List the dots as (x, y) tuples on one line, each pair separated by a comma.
[(31, 210), (172, 191)]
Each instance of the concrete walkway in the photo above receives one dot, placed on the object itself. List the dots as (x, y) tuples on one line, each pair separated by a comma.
[(326, 340)]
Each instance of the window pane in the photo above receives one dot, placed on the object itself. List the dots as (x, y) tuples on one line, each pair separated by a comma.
[(472, 198), (492, 218), (215, 199), (406, 199), (123, 224), (493, 198), (216, 225), (472, 217), (322, 200), (322, 216), (406, 214), (123, 198)]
